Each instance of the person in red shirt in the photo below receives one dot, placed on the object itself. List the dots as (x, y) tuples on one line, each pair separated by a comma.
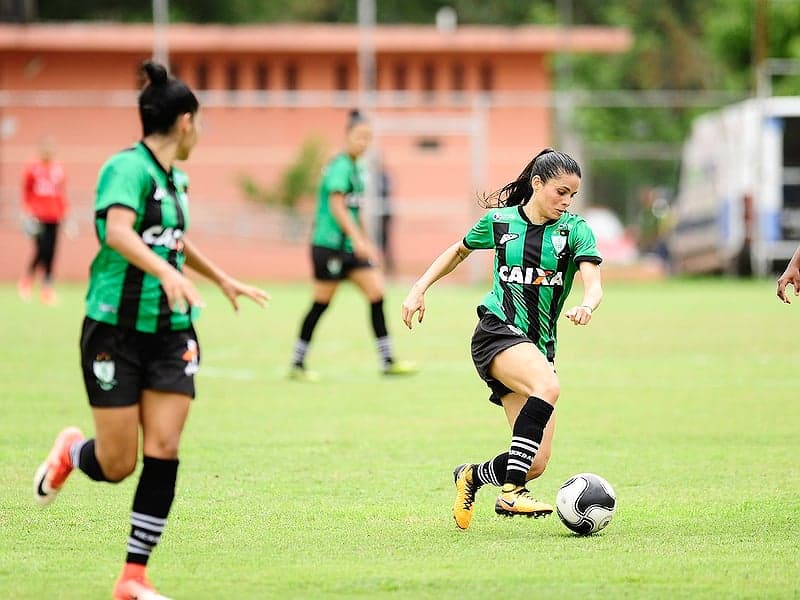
[(45, 205)]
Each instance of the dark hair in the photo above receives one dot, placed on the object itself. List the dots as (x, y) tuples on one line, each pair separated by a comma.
[(355, 118), (547, 164), (163, 99)]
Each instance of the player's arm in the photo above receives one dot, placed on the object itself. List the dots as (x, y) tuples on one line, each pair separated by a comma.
[(121, 236), (232, 288), (362, 247), (445, 263), (592, 294)]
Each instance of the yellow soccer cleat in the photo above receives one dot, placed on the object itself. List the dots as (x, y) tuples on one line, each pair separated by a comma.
[(516, 500), (303, 375), (464, 505), (401, 367)]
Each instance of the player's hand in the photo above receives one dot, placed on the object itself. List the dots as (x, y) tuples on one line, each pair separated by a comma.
[(579, 315), (366, 250), (791, 276), (414, 303), (233, 288), (180, 291)]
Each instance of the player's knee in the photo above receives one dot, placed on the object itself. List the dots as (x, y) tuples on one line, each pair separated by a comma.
[(548, 388), (118, 468), (163, 447)]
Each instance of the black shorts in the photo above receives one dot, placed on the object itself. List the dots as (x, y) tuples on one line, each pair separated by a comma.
[(118, 363), (335, 265), (491, 337)]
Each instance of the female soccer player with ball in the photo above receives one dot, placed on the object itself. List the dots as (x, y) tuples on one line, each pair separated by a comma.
[(139, 350), (539, 246)]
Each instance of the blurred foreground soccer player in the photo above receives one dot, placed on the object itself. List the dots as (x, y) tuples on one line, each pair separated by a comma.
[(340, 249), (539, 247), (139, 350)]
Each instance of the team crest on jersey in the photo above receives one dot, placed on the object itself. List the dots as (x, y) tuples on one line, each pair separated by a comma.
[(103, 369), (559, 240), (192, 358)]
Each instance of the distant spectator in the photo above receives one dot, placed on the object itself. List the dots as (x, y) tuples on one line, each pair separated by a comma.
[(385, 191), (653, 224), (45, 205)]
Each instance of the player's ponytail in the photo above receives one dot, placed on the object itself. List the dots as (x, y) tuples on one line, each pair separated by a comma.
[(156, 73), (547, 164), (163, 100)]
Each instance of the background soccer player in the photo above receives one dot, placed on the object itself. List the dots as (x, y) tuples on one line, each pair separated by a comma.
[(539, 246), (341, 249), (139, 350), (45, 204)]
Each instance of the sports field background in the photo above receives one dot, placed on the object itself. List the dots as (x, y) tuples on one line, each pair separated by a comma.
[(683, 394)]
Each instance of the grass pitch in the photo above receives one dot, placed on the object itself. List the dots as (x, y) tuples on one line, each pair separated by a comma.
[(683, 394)]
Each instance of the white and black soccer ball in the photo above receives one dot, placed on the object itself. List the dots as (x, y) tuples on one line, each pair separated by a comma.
[(586, 503)]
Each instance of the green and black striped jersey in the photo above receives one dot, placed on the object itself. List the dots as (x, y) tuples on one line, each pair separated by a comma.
[(534, 267), (120, 293), (343, 175)]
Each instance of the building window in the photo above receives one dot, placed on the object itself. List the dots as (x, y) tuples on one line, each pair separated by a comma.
[(201, 76), (262, 76), (457, 77), (342, 76), (486, 77), (400, 77), (428, 78), (232, 76), (290, 77)]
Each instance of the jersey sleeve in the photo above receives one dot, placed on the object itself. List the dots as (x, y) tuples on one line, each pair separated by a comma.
[(120, 184), (337, 177), (481, 236), (584, 244)]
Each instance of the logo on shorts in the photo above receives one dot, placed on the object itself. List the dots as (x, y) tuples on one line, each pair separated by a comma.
[(103, 369), (192, 358), (334, 266), (515, 330)]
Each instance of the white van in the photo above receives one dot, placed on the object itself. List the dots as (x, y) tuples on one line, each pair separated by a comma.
[(738, 204)]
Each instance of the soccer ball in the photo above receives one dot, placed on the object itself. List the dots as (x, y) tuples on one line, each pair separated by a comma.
[(585, 503)]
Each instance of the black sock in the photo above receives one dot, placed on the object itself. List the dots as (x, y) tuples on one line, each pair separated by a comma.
[(306, 331), (83, 456), (492, 471), (382, 340), (378, 320), (151, 505), (527, 435)]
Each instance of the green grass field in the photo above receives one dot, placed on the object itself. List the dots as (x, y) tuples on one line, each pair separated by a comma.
[(683, 394)]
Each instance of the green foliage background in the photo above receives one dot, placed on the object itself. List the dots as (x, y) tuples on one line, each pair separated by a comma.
[(683, 45)]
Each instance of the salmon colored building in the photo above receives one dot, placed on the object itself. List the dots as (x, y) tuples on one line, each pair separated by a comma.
[(455, 112)]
